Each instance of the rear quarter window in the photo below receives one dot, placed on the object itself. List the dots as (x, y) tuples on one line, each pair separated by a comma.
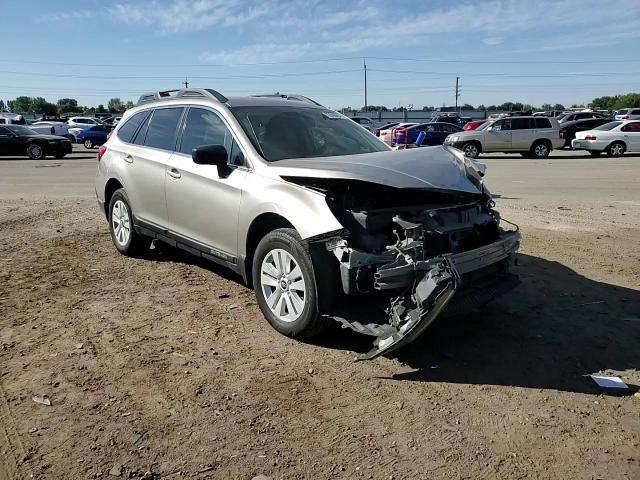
[(542, 122), (130, 127)]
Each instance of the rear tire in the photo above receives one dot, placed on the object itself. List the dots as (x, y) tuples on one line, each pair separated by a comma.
[(285, 285), (125, 238), (88, 143), (540, 150), (35, 152), (616, 149)]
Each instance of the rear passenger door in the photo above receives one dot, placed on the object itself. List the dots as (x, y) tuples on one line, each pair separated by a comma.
[(203, 207), (145, 163), (631, 132), (521, 133)]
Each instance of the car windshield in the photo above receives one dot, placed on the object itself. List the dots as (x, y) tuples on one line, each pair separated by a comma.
[(608, 126), (20, 130), (281, 132)]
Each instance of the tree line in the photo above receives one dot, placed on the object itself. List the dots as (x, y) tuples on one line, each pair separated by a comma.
[(39, 105), (616, 102)]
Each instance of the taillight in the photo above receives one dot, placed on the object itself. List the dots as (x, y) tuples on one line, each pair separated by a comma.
[(626, 117), (590, 137), (101, 151)]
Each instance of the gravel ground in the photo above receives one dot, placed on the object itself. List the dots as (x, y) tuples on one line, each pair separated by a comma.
[(164, 366)]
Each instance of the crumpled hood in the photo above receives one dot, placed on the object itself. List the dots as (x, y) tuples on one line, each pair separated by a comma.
[(429, 168)]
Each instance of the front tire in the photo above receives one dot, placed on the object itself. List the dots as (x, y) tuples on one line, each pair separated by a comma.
[(124, 236), (35, 152), (88, 143), (471, 150), (616, 149), (285, 285)]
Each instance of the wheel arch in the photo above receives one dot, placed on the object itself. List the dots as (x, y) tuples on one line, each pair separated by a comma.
[(260, 226), (110, 188), (546, 141), (617, 140)]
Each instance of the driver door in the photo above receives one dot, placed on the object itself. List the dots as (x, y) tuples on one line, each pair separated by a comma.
[(203, 207), (498, 139), (9, 143)]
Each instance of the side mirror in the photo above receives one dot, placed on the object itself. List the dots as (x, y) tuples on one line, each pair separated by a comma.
[(212, 155)]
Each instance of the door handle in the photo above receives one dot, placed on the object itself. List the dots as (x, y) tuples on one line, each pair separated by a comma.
[(128, 158), (173, 173)]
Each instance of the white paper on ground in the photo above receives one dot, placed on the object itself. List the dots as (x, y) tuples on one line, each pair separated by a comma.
[(608, 382)]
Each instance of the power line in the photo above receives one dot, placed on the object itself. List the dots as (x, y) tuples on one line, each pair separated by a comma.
[(511, 75), (322, 60), (136, 77)]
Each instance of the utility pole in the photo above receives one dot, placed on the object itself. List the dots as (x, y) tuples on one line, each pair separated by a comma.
[(457, 92), (364, 63), (186, 82)]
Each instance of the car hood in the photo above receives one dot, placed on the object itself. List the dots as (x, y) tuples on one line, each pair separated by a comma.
[(427, 168)]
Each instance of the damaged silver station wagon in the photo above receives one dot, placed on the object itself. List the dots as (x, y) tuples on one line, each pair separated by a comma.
[(310, 208)]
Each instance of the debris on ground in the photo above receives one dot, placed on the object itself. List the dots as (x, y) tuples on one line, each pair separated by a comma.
[(605, 381), (42, 399)]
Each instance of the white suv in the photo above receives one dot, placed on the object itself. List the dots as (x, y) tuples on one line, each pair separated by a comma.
[(309, 208), (530, 136)]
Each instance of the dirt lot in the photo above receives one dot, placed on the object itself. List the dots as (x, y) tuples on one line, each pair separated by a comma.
[(164, 366)]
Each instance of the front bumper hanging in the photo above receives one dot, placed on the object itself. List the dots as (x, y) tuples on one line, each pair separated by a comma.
[(427, 287)]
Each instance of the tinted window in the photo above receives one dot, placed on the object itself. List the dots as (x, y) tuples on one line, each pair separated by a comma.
[(631, 127), (635, 112), (204, 127), (520, 124), (163, 128), (236, 157), (542, 122), (129, 128), (608, 126)]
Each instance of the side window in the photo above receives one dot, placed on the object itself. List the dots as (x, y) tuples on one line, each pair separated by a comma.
[(4, 131), (631, 127), (129, 128), (635, 112), (163, 128), (499, 125), (204, 127), (237, 157), (542, 122), (520, 124), (506, 124), (430, 128)]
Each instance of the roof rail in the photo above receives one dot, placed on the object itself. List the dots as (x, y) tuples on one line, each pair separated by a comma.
[(182, 93), (295, 96)]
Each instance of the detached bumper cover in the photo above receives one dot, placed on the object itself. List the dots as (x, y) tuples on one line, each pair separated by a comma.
[(429, 287)]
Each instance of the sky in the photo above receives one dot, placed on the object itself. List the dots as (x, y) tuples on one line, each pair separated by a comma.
[(534, 51)]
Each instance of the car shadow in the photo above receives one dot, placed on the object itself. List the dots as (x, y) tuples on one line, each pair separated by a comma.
[(549, 333), (552, 331)]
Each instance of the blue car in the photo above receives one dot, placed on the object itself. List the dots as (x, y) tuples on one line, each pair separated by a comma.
[(93, 136), (434, 134)]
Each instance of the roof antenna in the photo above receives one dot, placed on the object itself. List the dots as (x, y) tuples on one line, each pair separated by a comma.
[(186, 83)]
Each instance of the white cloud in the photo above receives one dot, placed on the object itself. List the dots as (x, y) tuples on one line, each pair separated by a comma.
[(492, 41)]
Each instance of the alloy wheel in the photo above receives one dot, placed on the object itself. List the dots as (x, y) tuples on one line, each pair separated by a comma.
[(121, 223), (283, 285), (541, 150)]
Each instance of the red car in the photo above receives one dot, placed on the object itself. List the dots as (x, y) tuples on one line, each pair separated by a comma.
[(473, 125)]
